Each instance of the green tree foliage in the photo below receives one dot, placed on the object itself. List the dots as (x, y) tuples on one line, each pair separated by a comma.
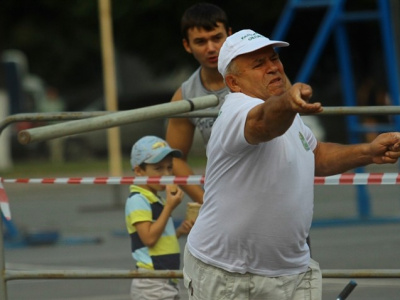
[(62, 38)]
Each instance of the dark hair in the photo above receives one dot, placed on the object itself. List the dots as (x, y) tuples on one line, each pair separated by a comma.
[(203, 15)]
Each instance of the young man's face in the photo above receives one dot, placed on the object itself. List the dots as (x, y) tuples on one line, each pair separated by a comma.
[(163, 168), (205, 45)]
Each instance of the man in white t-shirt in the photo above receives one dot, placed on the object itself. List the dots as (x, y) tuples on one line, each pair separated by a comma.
[(249, 241)]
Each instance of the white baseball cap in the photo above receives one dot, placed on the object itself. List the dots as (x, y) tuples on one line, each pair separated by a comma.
[(241, 42)]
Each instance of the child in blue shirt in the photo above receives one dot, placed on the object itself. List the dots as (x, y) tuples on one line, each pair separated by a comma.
[(154, 240)]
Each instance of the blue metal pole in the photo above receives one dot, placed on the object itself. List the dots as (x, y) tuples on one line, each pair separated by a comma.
[(285, 20), (320, 40), (347, 77), (390, 56)]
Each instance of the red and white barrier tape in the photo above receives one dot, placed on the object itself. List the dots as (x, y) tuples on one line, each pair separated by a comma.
[(341, 179), (359, 179), (181, 180)]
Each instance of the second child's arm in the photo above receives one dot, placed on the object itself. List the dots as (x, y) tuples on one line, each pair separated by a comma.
[(184, 228)]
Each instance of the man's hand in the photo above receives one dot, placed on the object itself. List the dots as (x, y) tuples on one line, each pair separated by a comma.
[(385, 148), (299, 96)]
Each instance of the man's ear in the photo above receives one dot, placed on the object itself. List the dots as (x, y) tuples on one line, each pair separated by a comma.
[(186, 46), (231, 82)]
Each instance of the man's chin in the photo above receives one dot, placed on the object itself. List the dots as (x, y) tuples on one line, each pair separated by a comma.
[(211, 65)]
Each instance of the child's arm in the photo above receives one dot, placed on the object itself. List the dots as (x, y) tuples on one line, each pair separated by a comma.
[(150, 232), (184, 228)]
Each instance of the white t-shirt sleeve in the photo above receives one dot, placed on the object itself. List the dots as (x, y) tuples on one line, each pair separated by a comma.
[(232, 138)]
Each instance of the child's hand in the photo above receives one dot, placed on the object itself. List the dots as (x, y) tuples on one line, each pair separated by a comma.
[(184, 228), (172, 188), (174, 195)]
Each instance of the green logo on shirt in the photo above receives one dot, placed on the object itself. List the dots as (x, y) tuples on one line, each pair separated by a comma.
[(304, 142)]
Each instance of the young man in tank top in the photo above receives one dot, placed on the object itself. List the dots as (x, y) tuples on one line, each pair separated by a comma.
[(204, 28)]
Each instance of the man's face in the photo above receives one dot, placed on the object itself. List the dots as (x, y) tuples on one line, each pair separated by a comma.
[(205, 45), (260, 74)]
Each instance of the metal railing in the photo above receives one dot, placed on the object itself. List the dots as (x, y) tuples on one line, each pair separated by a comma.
[(71, 116), (9, 274)]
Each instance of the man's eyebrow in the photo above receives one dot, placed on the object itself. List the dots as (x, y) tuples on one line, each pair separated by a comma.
[(259, 59), (218, 34), (199, 39)]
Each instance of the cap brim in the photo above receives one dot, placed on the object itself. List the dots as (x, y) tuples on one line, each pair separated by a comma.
[(257, 46), (162, 154)]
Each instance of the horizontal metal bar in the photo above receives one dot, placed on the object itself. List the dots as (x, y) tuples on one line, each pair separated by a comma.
[(306, 4), (328, 110), (359, 16), (211, 113), (361, 110), (120, 274), (89, 274), (115, 119), (67, 116), (361, 273), (50, 116)]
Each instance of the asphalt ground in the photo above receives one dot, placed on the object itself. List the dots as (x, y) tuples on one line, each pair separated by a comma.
[(90, 222)]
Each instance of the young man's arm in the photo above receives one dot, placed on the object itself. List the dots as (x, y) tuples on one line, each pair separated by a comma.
[(180, 133)]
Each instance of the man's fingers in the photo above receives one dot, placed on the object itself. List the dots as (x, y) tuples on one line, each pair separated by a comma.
[(306, 92), (395, 147), (301, 94)]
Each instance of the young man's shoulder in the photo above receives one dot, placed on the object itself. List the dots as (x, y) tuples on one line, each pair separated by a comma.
[(194, 77)]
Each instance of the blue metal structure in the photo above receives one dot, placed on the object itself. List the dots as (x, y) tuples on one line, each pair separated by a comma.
[(15, 239), (334, 24)]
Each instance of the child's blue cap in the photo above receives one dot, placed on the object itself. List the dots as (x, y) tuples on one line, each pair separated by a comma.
[(151, 150)]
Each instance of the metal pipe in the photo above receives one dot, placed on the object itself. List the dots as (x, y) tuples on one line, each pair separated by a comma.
[(120, 274), (361, 273), (331, 110), (115, 119), (90, 274), (41, 117), (361, 110), (211, 113)]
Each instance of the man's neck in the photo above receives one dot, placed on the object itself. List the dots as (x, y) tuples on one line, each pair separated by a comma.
[(211, 79)]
